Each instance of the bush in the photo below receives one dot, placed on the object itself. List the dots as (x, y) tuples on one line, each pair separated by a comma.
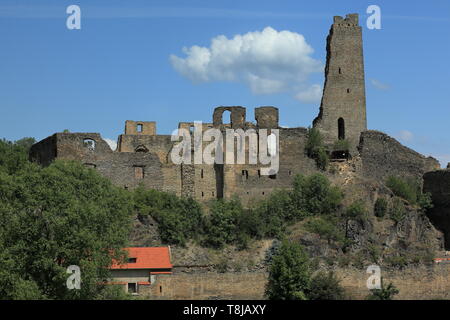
[(222, 222), (385, 293), (179, 219), (315, 148), (289, 273), (325, 229), (326, 286), (341, 145), (356, 211), (407, 189), (380, 208), (398, 210), (315, 195)]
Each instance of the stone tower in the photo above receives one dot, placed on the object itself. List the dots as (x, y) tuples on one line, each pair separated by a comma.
[(343, 108)]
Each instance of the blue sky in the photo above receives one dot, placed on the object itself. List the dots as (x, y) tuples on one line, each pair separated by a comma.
[(122, 65)]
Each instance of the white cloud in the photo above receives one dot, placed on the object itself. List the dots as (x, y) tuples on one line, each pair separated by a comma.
[(267, 61), (112, 143), (379, 85), (311, 95), (405, 136)]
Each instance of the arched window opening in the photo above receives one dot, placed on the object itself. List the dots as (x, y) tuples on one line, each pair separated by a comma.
[(139, 128), (341, 129), (226, 117), (89, 144), (141, 148)]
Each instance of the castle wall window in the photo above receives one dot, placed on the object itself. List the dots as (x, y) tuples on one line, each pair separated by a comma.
[(273, 176), (201, 173), (89, 144), (348, 90), (139, 128), (139, 172), (226, 117), (141, 148), (245, 174), (341, 129), (340, 71)]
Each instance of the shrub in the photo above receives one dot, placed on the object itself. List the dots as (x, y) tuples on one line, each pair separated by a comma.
[(315, 148), (406, 189), (398, 210), (289, 273), (315, 195), (325, 229), (341, 145), (385, 293), (356, 211), (380, 207), (221, 225), (326, 286)]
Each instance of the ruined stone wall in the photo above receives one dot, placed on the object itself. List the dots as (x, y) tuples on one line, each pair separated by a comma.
[(414, 283), (383, 156), (344, 90), (438, 184)]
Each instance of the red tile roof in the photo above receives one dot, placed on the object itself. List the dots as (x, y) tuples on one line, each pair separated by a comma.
[(146, 258)]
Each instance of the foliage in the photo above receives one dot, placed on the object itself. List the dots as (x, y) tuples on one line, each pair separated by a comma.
[(326, 229), (385, 293), (424, 201), (14, 155), (326, 286), (356, 211), (397, 211), (315, 195), (407, 189), (341, 145), (289, 274), (179, 219), (380, 208), (53, 217), (315, 148), (222, 222)]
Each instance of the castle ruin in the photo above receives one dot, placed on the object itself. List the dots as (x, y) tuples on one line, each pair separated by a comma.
[(143, 156)]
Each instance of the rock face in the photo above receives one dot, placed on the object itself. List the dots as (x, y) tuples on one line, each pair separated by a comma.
[(438, 184)]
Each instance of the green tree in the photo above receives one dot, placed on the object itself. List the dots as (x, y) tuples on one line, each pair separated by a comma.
[(289, 273), (53, 217)]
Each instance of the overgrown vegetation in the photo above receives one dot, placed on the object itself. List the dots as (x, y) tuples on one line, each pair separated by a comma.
[(385, 293), (291, 277), (316, 150), (380, 208), (410, 190)]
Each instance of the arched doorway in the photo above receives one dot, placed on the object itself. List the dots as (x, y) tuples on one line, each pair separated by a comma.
[(341, 129)]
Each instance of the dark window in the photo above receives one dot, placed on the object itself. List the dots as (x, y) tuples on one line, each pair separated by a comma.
[(132, 260), (348, 90), (340, 71), (139, 172), (341, 129), (201, 173), (273, 176), (203, 194), (132, 288), (160, 289), (259, 173), (245, 174)]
